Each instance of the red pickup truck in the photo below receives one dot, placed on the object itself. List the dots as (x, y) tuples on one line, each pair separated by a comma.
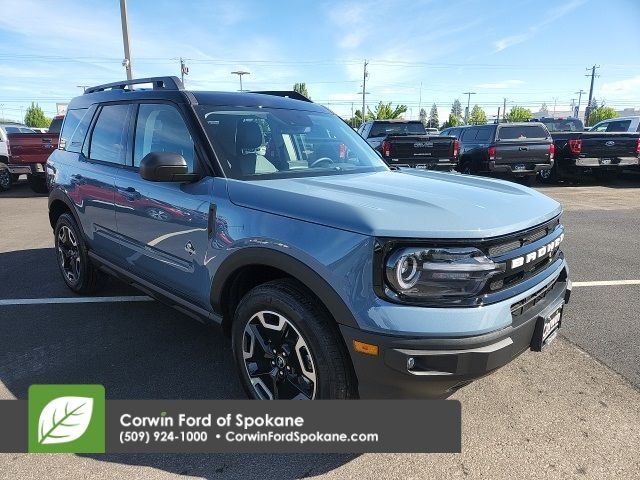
[(28, 153)]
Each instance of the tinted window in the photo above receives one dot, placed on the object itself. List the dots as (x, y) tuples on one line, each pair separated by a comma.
[(468, 134), (160, 128), (396, 128), (619, 126), (69, 128), (515, 132), (108, 140), (483, 134), (56, 124)]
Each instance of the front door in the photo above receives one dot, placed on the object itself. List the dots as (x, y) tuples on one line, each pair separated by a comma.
[(163, 225)]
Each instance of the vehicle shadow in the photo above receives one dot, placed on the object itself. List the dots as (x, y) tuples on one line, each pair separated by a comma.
[(137, 350)]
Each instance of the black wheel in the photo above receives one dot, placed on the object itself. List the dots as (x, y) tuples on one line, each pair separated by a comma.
[(37, 183), (5, 179), (286, 346), (76, 268)]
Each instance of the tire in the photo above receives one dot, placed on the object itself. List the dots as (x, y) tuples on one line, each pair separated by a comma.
[(310, 361), (6, 180), (77, 271), (37, 183)]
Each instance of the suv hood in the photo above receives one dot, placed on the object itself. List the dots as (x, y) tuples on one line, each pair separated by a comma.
[(406, 203)]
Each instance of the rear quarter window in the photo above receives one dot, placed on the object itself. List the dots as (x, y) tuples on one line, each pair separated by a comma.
[(516, 132)]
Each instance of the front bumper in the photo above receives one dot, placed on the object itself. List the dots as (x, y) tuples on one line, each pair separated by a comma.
[(531, 168), (419, 367)]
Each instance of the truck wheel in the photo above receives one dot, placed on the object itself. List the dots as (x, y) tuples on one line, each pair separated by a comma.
[(37, 183), (76, 268), (286, 347), (5, 180)]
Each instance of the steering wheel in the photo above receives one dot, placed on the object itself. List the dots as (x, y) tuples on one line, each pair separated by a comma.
[(320, 160)]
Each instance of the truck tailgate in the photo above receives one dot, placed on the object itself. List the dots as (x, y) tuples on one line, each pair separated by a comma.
[(29, 148)]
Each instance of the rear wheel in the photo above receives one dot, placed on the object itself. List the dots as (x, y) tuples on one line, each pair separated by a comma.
[(286, 346), (5, 179), (76, 268), (37, 183)]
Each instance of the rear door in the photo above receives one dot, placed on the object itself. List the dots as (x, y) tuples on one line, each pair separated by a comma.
[(522, 145), (164, 225)]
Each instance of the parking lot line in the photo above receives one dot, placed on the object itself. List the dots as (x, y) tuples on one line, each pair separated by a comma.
[(43, 301), (604, 283)]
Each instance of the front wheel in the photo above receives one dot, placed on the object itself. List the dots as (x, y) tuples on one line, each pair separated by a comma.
[(287, 348)]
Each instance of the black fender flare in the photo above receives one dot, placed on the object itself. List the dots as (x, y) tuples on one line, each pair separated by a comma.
[(293, 267)]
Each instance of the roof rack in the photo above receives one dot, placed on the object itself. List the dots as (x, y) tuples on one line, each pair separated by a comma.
[(287, 94), (159, 83)]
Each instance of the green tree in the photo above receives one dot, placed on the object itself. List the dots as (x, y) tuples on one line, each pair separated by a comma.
[(453, 121), (544, 110), (519, 114), (601, 113), (384, 111), (433, 117), (301, 88), (477, 117), (34, 117), (423, 117)]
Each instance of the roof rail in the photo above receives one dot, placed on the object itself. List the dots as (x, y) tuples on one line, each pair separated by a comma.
[(287, 94), (166, 83)]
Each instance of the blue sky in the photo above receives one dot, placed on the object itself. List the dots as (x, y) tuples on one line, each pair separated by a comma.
[(527, 51)]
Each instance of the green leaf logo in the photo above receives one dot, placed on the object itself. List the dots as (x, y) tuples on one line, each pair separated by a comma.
[(64, 419)]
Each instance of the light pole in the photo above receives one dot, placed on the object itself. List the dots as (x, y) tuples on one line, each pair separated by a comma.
[(466, 113), (126, 63), (240, 73)]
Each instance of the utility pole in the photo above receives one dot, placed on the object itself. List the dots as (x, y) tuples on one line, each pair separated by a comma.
[(240, 73), (579, 100), (126, 63), (365, 74), (466, 113), (504, 110), (587, 110), (184, 70)]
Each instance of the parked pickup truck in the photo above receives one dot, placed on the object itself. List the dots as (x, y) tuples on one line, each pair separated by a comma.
[(603, 154), (405, 143), (333, 276), (519, 150), (28, 153)]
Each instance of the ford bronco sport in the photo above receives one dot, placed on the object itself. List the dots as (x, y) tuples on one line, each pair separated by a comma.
[(334, 276)]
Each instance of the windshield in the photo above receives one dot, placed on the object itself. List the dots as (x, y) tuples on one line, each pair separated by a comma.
[(382, 129), (261, 143), (564, 125)]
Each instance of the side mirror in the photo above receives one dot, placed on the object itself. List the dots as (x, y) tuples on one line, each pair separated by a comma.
[(164, 167)]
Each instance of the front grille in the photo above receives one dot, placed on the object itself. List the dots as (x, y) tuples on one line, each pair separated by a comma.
[(532, 300)]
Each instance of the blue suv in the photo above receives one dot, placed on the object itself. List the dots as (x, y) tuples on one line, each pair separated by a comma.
[(334, 275)]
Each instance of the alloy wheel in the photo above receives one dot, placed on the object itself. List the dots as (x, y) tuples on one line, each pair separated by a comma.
[(278, 359), (69, 254)]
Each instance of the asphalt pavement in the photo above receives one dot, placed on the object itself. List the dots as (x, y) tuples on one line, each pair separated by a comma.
[(572, 411)]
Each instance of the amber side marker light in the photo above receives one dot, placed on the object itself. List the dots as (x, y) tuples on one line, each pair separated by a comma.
[(366, 348)]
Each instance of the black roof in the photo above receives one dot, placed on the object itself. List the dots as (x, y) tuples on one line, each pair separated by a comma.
[(170, 88)]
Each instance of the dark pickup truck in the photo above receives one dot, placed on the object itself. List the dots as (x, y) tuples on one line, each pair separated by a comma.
[(518, 150), (601, 154), (406, 143)]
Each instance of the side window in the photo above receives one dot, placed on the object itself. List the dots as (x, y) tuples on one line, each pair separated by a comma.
[(109, 138), (74, 129), (161, 128), (483, 135)]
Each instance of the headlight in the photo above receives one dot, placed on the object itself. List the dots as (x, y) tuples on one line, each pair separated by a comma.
[(425, 274)]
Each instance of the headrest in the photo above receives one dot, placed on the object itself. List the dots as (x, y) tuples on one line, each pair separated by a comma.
[(248, 137)]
